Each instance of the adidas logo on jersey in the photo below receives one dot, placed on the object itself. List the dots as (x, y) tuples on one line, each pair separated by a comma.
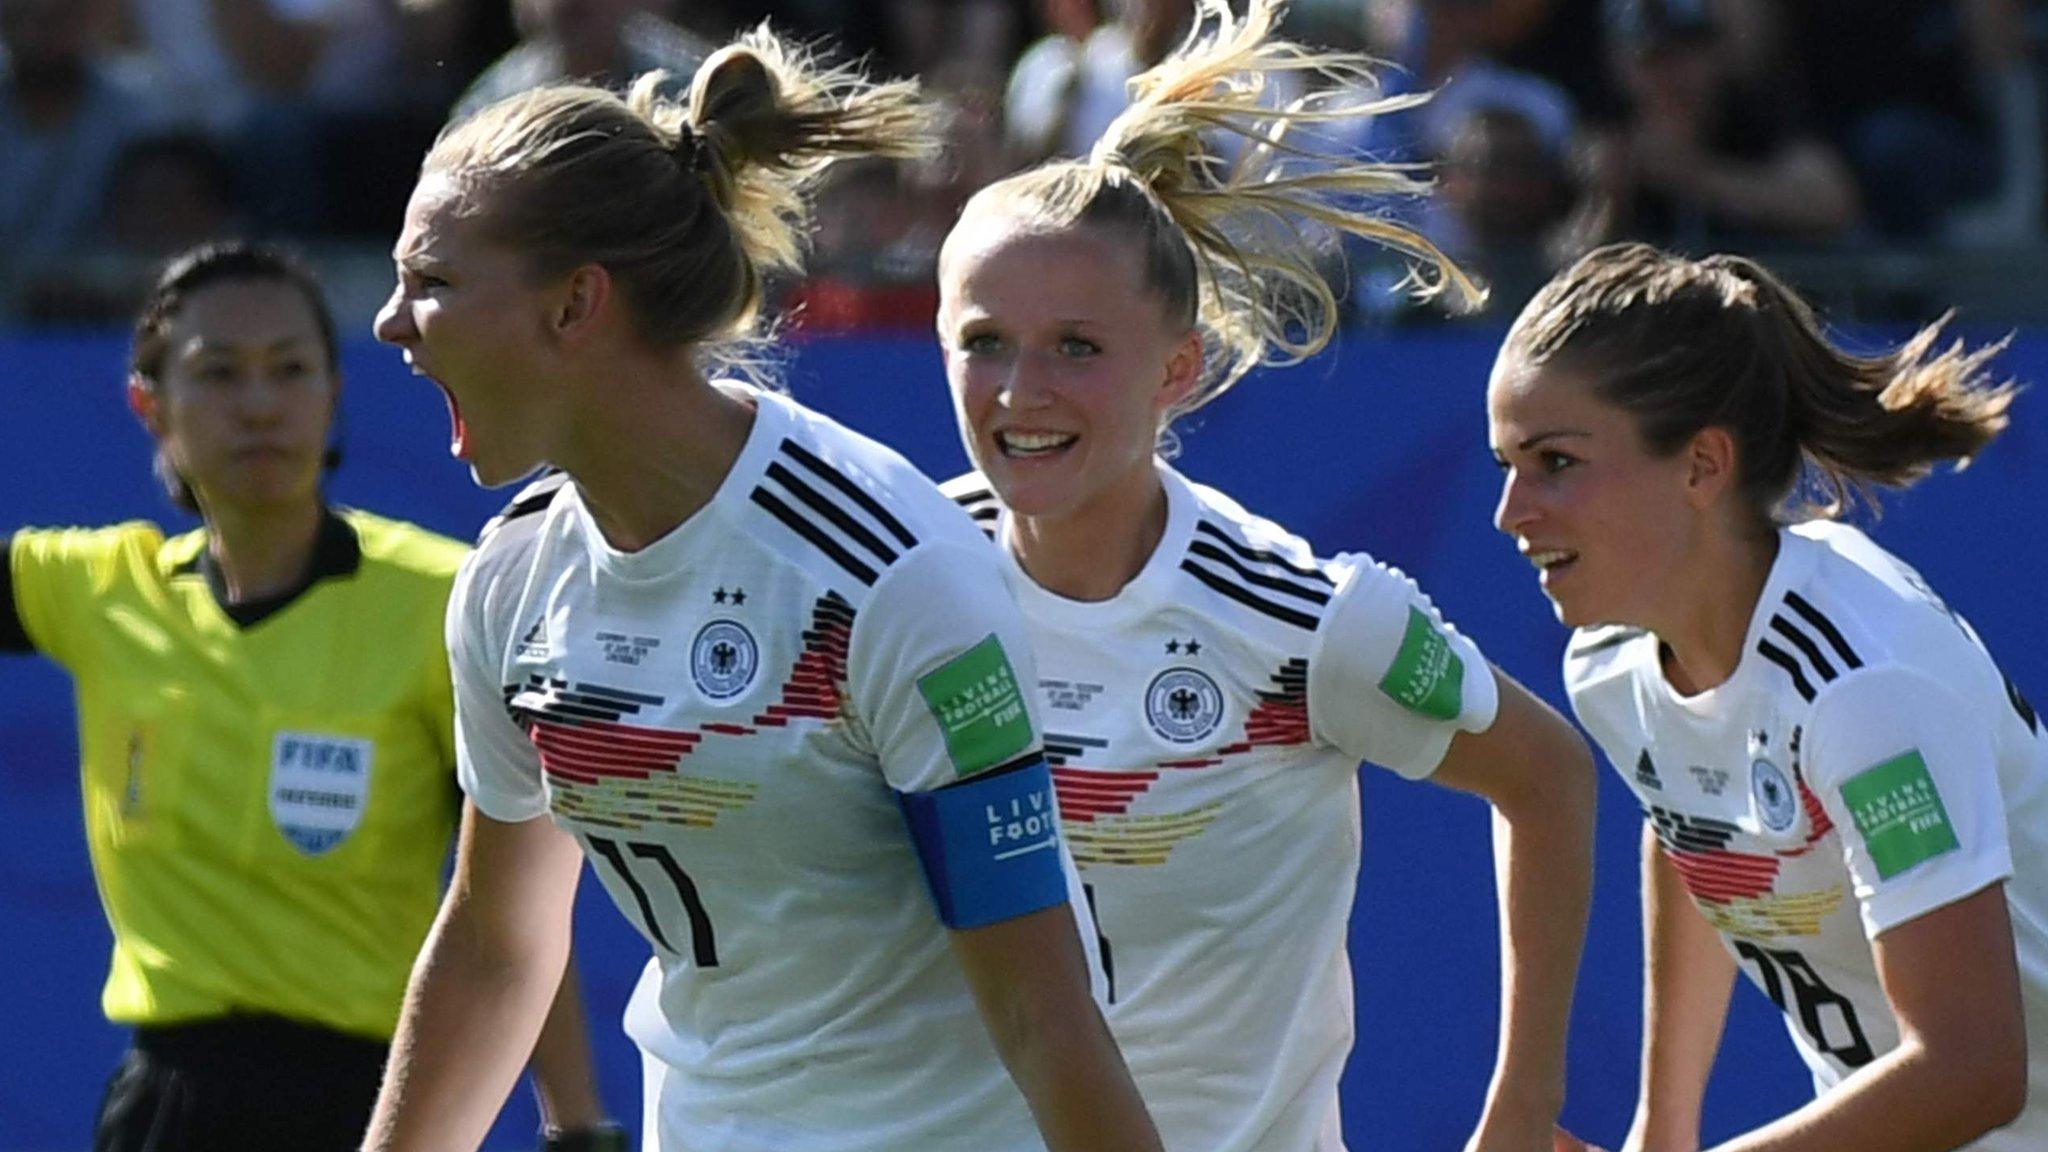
[(1646, 772), (535, 642)]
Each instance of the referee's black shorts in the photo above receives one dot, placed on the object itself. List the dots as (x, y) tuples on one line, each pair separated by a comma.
[(240, 1084)]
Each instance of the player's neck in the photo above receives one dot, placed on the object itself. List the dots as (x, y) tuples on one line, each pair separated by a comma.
[(653, 450), (263, 552), (1092, 552), (1704, 644)]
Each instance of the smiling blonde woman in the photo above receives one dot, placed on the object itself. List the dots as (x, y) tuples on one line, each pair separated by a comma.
[(1211, 681)]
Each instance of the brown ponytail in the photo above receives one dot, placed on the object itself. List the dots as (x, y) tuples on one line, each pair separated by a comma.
[(1690, 344)]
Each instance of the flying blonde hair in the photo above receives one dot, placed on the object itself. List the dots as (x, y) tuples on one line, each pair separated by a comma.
[(1223, 190)]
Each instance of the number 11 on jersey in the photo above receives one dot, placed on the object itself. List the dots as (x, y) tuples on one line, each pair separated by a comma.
[(703, 944)]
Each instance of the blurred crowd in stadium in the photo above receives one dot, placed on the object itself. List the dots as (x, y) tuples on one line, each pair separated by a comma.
[(1889, 140)]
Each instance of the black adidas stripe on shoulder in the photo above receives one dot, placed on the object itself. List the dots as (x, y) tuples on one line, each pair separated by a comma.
[(1801, 640), (1825, 626), (837, 516), (530, 500), (1261, 556), (979, 502), (981, 505), (972, 494), (1258, 579)]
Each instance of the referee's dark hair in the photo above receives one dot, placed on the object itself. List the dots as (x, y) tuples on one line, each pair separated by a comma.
[(203, 266)]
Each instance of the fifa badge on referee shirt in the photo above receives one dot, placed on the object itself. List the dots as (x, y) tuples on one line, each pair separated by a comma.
[(319, 786)]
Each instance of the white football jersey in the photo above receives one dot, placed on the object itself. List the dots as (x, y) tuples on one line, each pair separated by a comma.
[(735, 722), (1865, 764), (1205, 728)]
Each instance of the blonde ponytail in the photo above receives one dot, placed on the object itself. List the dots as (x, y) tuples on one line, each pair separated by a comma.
[(688, 207), (1223, 190)]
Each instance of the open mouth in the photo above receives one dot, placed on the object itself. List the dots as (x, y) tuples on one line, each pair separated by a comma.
[(1016, 445), (1551, 561), (458, 433)]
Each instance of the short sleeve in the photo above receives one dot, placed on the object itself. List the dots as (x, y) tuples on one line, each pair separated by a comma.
[(497, 767), (439, 701), (940, 672), (1907, 774), (54, 572), (1388, 680)]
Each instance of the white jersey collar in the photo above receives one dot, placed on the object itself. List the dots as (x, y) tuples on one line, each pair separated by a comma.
[(1151, 588), (1796, 558), (698, 535)]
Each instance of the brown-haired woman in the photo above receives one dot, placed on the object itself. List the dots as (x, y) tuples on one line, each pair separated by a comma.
[(1217, 682), (1845, 799), (753, 666)]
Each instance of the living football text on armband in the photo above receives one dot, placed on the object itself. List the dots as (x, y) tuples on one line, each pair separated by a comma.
[(989, 844)]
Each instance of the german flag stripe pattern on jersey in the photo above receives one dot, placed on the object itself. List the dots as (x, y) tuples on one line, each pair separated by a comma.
[(1263, 581), (816, 685), (619, 775), (1803, 642), (1280, 718), (1088, 793), (1061, 748), (552, 695), (1138, 840), (1095, 802), (1737, 891), (833, 513)]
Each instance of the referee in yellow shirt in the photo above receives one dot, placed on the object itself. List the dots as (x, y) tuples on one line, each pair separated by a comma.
[(265, 719)]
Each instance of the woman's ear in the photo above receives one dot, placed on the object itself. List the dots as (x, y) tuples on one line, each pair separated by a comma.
[(581, 300), (1710, 466), (1183, 372)]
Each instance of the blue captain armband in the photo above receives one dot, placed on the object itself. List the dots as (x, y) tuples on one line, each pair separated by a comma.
[(989, 845)]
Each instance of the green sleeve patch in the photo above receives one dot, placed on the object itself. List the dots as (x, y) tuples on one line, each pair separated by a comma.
[(1426, 676), (979, 707), (1899, 812)]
